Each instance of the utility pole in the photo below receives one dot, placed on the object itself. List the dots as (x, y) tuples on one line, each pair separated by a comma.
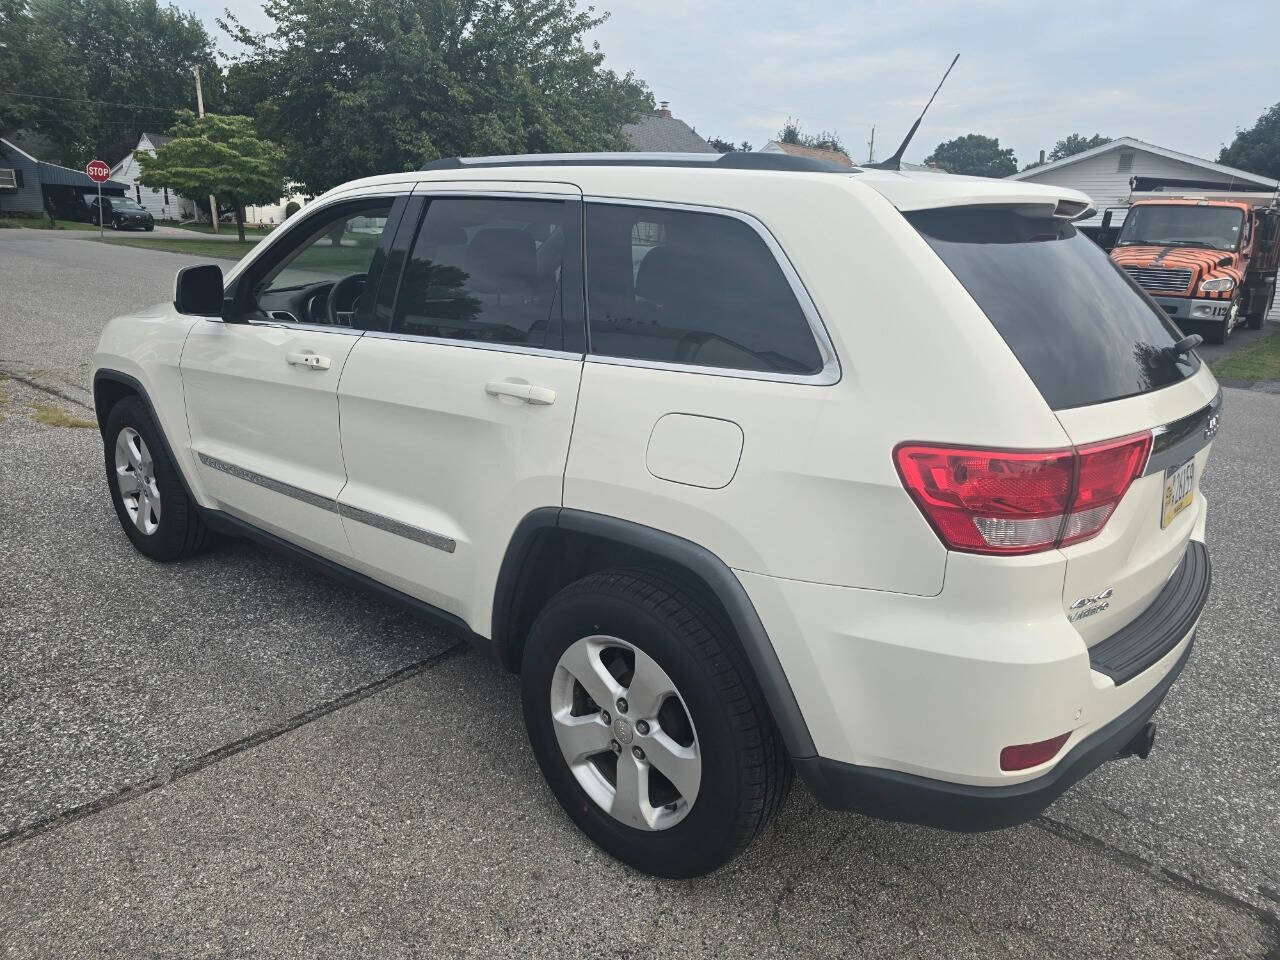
[(213, 201), (871, 146)]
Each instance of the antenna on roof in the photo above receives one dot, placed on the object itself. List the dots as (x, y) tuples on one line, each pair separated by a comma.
[(895, 161)]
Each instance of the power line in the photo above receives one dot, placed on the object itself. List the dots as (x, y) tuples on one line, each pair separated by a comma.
[(101, 103)]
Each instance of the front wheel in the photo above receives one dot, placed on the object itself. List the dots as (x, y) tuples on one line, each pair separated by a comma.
[(1218, 332), (648, 725), (151, 503)]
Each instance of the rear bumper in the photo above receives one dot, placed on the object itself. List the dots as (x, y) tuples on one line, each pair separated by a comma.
[(915, 700), (904, 797)]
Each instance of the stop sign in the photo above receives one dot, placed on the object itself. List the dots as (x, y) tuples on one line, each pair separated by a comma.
[(98, 171)]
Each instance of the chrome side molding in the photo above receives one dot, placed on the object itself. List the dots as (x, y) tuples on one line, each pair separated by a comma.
[(1179, 441), (426, 537)]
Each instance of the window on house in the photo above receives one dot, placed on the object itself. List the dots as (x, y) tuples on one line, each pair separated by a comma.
[(675, 286), (1125, 163), (8, 178), (137, 193), (166, 196)]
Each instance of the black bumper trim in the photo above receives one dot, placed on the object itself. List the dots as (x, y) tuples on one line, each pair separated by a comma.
[(1158, 629), (907, 798)]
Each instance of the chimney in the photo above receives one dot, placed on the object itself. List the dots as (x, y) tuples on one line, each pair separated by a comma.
[(1042, 156), (664, 109)]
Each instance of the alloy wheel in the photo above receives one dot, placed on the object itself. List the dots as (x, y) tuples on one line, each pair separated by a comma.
[(136, 479), (625, 732)]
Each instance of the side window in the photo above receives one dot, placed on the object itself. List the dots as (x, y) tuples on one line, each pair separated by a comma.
[(322, 277), (488, 269), (676, 286)]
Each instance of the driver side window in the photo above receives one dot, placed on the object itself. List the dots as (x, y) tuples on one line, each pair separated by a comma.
[(323, 278)]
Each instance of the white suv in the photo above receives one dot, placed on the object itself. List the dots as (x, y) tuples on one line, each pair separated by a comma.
[(747, 465)]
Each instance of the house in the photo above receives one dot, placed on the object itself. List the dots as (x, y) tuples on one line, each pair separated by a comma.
[(31, 186), (838, 157), (660, 132), (161, 203), (1104, 173), (270, 214)]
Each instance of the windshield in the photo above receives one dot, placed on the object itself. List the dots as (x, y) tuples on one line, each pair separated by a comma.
[(1083, 331), (119, 205), (1183, 225)]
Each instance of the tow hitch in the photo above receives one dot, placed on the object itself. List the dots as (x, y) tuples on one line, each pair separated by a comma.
[(1141, 744)]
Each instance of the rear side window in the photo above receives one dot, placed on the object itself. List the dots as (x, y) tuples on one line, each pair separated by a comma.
[(1083, 331), (675, 286), (487, 269)]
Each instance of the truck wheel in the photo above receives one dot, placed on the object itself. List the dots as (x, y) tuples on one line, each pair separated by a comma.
[(1256, 318), (153, 507), (649, 726)]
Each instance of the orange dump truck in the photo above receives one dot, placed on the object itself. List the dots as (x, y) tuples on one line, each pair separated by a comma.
[(1207, 256)]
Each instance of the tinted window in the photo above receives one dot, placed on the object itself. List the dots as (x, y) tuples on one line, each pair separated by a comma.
[(697, 288), (333, 248), (1081, 328), (487, 269)]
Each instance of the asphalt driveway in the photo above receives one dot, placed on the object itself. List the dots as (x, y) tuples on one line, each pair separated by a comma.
[(236, 756)]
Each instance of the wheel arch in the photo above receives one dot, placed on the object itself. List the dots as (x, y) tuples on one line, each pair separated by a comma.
[(112, 386), (553, 546)]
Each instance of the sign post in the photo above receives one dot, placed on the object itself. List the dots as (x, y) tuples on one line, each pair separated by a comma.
[(99, 173)]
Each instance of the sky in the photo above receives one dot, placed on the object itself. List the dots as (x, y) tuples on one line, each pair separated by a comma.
[(1175, 74)]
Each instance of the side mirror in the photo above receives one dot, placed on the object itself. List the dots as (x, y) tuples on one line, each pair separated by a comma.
[(198, 290)]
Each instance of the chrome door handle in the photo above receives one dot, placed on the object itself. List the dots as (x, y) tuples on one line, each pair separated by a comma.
[(307, 359), (540, 396)]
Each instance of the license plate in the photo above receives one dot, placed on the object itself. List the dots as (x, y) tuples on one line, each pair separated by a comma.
[(1179, 487)]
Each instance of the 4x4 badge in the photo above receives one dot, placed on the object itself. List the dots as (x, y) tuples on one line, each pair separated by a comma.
[(1088, 606)]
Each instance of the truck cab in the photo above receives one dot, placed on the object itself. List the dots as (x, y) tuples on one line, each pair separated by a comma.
[(1208, 260)]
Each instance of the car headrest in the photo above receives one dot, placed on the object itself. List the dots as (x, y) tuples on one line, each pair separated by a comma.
[(665, 274)]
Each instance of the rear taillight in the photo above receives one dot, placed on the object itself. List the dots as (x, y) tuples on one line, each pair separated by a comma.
[(1010, 502)]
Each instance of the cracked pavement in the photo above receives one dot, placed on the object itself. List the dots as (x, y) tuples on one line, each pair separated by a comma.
[(234, 756)]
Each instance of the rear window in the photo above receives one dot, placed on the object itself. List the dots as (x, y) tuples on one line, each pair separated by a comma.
[(1083, 331)]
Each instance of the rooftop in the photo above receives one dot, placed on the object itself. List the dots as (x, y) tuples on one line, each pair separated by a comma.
[(660, 132)]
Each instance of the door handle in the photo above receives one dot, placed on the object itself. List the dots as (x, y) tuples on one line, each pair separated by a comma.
[(540, 396), (308, 359)]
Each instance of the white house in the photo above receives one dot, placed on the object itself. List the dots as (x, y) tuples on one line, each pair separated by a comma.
[(1104, 173), (271, 214), (163, 204)]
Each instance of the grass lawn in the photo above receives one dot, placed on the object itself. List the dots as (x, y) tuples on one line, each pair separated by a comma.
[(1258, 361), (223, 229), (200, 249), (28, 223)]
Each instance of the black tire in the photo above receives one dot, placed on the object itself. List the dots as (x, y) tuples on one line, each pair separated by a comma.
[(746, 773), (150, 227), (1216, 333), (1255, 319), (180, 532)]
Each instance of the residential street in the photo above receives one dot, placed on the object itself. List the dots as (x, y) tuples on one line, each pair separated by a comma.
[(234, 755)]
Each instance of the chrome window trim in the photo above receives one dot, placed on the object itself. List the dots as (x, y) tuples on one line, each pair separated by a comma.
[(1176, 442), (475, 344), (829, 374), (427, 189), (306, 327), (407, 530)]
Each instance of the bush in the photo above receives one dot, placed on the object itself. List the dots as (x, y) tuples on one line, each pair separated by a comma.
[(291, 208)]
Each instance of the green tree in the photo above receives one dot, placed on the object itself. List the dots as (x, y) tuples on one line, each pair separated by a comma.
[(974, 155), (355, 87), (826, 140), (221, 155), (35, 67), (1258, 148), (1074, 143), (724, 146), (125, 65)]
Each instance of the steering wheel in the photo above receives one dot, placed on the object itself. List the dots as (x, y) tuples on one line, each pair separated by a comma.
[(346, 287)]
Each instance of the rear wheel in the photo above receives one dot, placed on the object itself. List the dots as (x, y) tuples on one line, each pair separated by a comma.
[(1256, 316), (648, 725), (151, 503)]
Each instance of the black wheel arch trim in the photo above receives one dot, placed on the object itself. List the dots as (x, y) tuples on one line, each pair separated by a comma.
[(700, 561), (136, 386)]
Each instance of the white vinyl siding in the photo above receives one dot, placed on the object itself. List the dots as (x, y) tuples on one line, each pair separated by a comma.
[(127, 171), (1099, 176)]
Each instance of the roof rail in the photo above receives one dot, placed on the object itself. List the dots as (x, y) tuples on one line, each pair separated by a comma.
[(738, 160)]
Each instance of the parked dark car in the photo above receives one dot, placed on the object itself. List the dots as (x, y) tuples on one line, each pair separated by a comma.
[(121, 214)]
